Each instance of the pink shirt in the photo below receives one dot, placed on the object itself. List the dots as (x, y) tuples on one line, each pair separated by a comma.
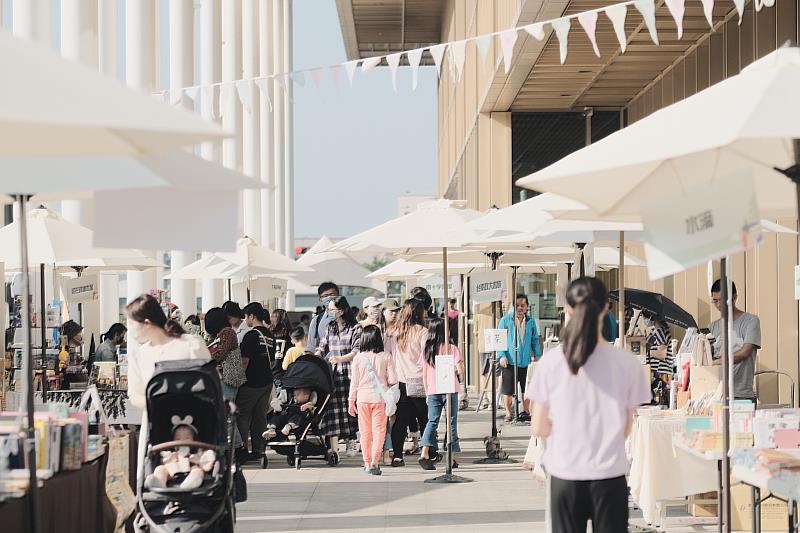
[(588, 411), (407, 360), (362, 389), (430, 371)]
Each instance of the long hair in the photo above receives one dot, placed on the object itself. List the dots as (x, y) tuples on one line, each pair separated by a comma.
[(257, 310), (349, 318), (371, 339), (113, 331), (145, 307), (422, 295), (587, 297), (282, 326), (436, 340), (412, 314)]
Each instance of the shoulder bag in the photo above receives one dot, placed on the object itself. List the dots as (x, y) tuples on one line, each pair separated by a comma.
[(390, 395)]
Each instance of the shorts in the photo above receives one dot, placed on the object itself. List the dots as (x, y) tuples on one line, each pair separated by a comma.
[(507, 386), (486, 363)]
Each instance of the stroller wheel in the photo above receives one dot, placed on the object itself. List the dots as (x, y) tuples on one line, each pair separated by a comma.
[(297, 463), (290, 460), (264, 461), (333, 458)]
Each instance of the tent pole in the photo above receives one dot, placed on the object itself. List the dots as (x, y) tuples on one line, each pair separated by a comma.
[(515, 338), (43, 328), (621, 274), (725, 509)]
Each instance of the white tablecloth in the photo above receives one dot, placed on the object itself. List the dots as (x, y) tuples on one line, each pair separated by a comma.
[(658, 473)]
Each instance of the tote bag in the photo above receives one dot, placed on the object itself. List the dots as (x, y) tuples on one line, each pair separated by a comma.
[(391, 395)]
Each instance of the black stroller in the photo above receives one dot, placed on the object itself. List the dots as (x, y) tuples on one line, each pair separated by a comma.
[(312, 372), (187, 388)]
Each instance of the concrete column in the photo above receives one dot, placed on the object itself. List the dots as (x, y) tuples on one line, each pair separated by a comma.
[(250, 120), (231, 71), (210, 44), (107, 17), (32, 20), (288, 132), (140, 74), (181, 74), (266, 125), (108, 285), (278, 105)]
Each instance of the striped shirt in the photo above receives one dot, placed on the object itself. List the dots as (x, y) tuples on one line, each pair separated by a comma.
[(335, 343), (660, 336)]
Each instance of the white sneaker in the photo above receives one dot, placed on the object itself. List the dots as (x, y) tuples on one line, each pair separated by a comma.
[(350, 449)]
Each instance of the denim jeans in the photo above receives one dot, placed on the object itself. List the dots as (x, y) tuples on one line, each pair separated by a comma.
[(229, 393), (436, 404)]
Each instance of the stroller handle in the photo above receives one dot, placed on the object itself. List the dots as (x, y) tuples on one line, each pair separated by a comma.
[(176, 443)]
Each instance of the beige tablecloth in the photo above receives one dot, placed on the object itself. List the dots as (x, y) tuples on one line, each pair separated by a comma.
[(657, 472)]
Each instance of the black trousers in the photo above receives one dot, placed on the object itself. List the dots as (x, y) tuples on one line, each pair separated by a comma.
[(408, 409), (574, 503)]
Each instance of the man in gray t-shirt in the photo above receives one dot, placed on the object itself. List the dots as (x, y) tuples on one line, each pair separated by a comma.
[(745, 341)]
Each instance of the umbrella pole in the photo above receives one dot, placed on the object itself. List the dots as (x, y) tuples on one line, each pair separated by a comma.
[(621, 274), (448, 477), (725, 507), (43, 327), (515, 340), (30, 444)]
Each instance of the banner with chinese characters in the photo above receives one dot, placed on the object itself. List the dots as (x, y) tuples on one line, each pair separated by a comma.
[(435, 286), (491, 286), (707, 222), (80, 290)]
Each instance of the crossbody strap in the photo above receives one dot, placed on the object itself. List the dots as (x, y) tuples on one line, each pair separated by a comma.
[(375, 383)]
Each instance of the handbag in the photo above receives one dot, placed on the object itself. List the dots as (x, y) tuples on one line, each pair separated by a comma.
[(415, 388), (390, 395)]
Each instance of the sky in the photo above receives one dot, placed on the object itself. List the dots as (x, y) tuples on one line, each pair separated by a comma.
[(356, 149)]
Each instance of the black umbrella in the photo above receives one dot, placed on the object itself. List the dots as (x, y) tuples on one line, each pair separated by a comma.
[(657, 305)]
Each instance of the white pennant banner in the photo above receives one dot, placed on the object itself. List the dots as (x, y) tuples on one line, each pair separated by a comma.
[(458, 53), (414, 59), (507, 40), (336, 73), (245, 95), (561, 27), (225, 90), (483, 43), (676, 9), (438, 53), (647, 9), (370, 63), (616, 15), (316, 77), (193, 92), (739, 8), (351, 67), (175, 97), (264, 85), (207, 94), (393, 60), (708, 11), (299, 77), (535, 30), (588, 21)]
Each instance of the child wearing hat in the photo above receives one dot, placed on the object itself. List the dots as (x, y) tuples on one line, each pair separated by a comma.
[(181, 461)]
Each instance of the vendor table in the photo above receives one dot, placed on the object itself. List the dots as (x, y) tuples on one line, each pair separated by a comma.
[(69, 502), (784, 486), (659, 474), (682, 447)]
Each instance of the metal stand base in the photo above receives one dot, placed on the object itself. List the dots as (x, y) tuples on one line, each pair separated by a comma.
[(521, 423), (449, 478)]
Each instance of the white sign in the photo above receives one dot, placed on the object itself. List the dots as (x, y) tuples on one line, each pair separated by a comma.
[(488, 286), (435, 286), (445, 374), (708, 222), (797, 282), (496, 340), (80, 290), (262, 289)]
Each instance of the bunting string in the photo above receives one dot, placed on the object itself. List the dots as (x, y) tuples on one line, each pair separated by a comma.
[(456, 50)]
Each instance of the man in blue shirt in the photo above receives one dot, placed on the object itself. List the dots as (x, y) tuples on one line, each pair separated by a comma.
[(523, 346)]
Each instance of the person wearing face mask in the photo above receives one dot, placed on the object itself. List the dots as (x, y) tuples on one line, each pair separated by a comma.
[(318, 327), (148, 325), (659, 346), (372, 308), (72, 340)]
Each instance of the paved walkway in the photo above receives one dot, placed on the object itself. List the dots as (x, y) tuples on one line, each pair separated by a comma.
[(321, 498)]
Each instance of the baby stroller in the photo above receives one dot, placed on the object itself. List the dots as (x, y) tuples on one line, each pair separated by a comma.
[(188, 388), (315, 373)]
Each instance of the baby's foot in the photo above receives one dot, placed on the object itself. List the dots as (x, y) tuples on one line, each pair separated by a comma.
[(270, 433), (153, 482), (193, 480)]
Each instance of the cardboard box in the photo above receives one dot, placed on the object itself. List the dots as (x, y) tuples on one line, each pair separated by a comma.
[(703, 505), (774, 513), (703, 379)]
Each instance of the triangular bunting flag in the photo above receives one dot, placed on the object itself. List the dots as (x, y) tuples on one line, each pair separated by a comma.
[(676, 9), (192, 92), (283, 79), (175, 97), (708, 10), (507, 40), (483, 43), (224, 95), (588, 21), (351, 67), (264, 84), (336, 72), (370, 63), (458, 53), (414, 58), (207, 95), (316, 77), (769, 3), (438, 53), (299, 77), (739, 8), (617, 14), (245, 96), (561, 27), (535, 30), (648, 10), (393, 60)]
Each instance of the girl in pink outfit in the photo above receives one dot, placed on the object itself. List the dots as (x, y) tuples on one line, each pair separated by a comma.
[(372, 372)]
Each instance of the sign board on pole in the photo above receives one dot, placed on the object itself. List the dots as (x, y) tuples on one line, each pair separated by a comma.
[(80, 290), (707, 222), (489, 286), (435, 286), (445, 374), (496, 340), (263, 289)]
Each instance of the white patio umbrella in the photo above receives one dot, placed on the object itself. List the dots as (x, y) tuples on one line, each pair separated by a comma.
[(748, 122), (402, 269), (334, 266)]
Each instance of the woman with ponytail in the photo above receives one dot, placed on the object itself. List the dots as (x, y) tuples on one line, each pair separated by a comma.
[(159, 341), (584, 395)]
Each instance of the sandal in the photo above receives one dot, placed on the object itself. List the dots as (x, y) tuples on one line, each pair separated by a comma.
[(508, 418)]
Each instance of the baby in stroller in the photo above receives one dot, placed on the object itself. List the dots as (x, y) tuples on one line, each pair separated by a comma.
[(180, 461), (290, 414)]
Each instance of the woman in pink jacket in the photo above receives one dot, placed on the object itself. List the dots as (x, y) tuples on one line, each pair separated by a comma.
[(372, 372)]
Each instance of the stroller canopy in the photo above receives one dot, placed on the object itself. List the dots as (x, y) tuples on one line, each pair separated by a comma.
[(186, 388), (309, 371)]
